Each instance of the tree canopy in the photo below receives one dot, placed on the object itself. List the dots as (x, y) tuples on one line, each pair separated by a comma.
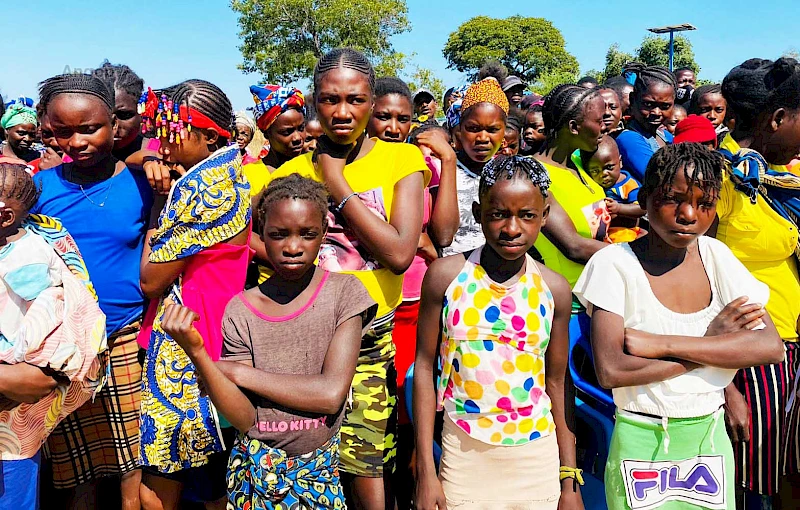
[(283, 39), (653, 51), (528, 47)]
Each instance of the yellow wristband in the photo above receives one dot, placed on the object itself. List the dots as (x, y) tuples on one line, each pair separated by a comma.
[(576, 474)]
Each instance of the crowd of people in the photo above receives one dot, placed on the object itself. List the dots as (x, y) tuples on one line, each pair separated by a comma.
[(333, 300)]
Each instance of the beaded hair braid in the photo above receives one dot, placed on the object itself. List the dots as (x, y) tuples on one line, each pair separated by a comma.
[(512, 167), (17, 184)]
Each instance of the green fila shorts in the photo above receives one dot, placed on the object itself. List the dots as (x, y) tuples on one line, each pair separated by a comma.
[(677, 463)]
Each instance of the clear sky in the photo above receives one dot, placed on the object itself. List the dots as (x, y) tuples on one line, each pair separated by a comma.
[(169, 41)]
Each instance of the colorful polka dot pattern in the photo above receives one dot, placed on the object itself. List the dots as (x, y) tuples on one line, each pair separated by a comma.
[(493, 347)]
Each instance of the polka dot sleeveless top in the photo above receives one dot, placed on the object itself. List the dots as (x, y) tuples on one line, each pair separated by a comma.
[(493, 346)]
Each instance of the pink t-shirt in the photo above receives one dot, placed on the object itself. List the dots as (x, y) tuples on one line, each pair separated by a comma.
[(412, 281), (211, 279)]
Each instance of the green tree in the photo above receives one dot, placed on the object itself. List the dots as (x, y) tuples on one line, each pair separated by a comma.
[(654, 51), (397, 64), (615, 61), (549, 80), (528, 47), (393, 64), (283, 39)]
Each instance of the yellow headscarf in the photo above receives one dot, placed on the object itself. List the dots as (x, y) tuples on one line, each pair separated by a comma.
[(485, 91)]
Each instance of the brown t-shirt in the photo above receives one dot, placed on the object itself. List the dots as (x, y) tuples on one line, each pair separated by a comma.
[(294, 344)]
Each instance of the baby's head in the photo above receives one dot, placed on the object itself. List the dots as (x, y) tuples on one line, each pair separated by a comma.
[(604, 164), (18, 194)]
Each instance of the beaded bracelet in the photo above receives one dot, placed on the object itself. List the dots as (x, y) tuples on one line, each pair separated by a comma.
[(344, 202)]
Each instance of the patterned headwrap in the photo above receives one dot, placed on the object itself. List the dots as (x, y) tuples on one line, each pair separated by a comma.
[(453, 115), (273, 100), (18, 113), (485, 91)]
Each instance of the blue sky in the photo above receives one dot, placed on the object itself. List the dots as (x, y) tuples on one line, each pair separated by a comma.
[(201, 42)]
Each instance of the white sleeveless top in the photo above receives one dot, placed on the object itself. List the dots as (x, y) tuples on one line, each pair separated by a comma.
[(615, 281)]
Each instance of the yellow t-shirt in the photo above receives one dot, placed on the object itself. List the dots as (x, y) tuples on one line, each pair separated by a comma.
[(258, 175), (585, 204), (373, 177), (764, 242)]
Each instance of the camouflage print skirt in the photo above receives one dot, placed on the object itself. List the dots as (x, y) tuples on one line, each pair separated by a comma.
[(370, 422)]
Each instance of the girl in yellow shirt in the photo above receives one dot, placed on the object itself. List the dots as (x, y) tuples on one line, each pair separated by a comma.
[(764, 97)]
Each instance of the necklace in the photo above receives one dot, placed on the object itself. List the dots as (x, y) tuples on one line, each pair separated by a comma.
[(101, 204), (108, 192)]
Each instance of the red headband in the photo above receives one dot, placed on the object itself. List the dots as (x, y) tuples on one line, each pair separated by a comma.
[(195, 118)]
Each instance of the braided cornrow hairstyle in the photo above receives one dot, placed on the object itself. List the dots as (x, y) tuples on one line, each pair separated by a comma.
[(646, 76), (562, 105), (120, 77), (512, 167), (347, 58), (296, 187), (700, 166), (206, 98), (17, 184), (84, 84), (700, 92)]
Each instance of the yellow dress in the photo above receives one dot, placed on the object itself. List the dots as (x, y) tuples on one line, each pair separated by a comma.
[(764, 242)]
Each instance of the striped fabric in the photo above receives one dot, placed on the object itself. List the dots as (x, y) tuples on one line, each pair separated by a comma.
[(773, 449), (101, 438)]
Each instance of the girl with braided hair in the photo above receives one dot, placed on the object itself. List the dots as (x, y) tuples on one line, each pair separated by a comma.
[(500, 321), (196, 255), (375, 218), (97, 185), (758, 213), (674, 315), (652, 100), (573, 118)]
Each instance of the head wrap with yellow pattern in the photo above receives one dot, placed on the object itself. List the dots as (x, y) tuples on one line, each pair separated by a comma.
[(485, 91)]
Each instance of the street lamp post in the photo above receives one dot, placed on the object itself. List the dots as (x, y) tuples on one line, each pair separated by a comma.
[(671, 31)]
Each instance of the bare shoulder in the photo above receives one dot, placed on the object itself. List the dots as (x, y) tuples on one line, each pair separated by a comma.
[(559, 285)]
